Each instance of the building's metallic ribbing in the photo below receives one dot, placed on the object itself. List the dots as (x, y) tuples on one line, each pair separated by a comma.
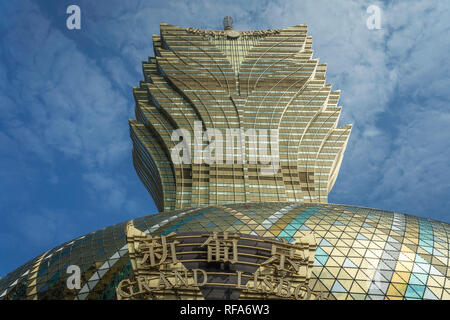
[(231, 79)]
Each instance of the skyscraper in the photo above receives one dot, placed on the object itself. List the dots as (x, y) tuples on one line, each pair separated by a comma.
[(242, 85), (236, 138)]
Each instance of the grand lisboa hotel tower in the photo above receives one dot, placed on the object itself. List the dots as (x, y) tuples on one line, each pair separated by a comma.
[(236, 139)]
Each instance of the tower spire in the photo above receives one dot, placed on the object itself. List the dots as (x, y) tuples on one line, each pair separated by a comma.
[(227, 23)]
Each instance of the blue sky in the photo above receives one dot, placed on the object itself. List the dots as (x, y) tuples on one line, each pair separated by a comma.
[(65, 97)]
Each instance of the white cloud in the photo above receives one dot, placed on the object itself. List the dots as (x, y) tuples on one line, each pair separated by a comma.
[(105, 189), (71, 103)]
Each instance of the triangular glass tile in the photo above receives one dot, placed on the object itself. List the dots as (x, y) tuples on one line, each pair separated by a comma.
[(414, 291), (435, 272), (92, 284), (101, 273), (322, 260), (392, 241), (374, 290), (349, 264), (115, 256), (95, 277), (337, 287), (361, 237), (384, 266), (421, 268), (429, 295), (82, 296), (415, 280), (84, 289), (436, 252), (4, 293)]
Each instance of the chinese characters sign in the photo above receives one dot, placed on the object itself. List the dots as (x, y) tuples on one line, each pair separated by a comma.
[(217, 265)]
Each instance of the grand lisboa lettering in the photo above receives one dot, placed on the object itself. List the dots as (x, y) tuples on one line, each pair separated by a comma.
[(160, 270)]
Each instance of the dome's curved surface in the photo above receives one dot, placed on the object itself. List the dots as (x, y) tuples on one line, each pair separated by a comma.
[(362, 253)]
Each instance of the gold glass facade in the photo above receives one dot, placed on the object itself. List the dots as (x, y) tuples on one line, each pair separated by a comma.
[(358, 254), (232, 80)]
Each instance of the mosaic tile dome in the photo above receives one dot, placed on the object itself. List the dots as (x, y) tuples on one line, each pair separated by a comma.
[(362, 253)]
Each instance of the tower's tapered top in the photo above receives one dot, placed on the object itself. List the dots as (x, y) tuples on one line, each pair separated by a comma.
[(260, 88)]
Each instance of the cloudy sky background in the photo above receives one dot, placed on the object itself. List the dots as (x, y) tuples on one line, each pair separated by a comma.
[(65, 97)]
